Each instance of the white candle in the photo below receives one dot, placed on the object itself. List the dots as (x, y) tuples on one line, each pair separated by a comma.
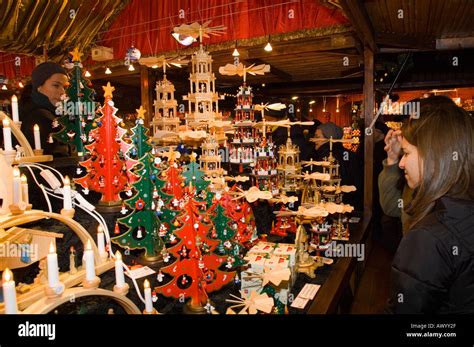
[(24, 190), (89, 259), (9, 292), (119, 276), (36, 133), (16, 186), (67, 194), (148, 302), (7, 135), (100, 240), (53, 270), (15, 117)]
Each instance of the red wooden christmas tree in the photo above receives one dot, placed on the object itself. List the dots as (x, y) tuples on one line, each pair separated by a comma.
[(106, 166), (241, 213), (174, 182), (195, 271)]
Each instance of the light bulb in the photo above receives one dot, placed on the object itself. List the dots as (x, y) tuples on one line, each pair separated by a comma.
[(235, 53), (87, 74), (131, 68), (268, 47), (108, 71)]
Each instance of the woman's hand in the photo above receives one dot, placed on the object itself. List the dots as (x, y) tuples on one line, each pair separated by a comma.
[(393, 146)]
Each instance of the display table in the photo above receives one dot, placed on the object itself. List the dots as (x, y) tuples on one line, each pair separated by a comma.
[(334, 295)]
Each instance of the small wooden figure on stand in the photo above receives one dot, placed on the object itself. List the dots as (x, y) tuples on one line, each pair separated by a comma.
[(72, 260)]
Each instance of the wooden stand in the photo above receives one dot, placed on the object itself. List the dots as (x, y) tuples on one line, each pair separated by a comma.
[(112, 207), (91, 284), (16, 210), (308, 267), (156, 260), (192, 309), (56, 292), (68, 213), (152, 312)]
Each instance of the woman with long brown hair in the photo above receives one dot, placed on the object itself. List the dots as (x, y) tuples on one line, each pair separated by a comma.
[(433, 269)]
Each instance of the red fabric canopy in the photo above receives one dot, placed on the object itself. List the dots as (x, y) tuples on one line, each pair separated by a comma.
[(148, 24), (9, 68)]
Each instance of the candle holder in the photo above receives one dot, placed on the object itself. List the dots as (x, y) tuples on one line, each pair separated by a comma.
[(68, 213), (56, 292), (16, 209), (9, 156), (38, 151), (152, 312), (104, 256), (122, 290), (91, 284)]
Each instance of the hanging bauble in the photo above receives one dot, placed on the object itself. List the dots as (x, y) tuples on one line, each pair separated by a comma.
[(116, 229), (181, 148), (140, 204), (132, 55)]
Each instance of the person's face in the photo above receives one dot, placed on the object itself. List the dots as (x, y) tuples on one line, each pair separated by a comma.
[(411, 164), (53, 87)]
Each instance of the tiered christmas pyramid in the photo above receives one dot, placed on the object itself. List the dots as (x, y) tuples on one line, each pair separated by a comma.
[(241, 149)]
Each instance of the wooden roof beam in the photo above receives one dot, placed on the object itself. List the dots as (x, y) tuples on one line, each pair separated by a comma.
[(405, 41), (357, 15)]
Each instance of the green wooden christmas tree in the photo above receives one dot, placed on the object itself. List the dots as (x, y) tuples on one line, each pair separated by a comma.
[(78, 112), (193, 174), (143, 223), (225, 234)]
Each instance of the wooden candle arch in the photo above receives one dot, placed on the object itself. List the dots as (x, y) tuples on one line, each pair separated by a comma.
[(46, 305), (30, 155)]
